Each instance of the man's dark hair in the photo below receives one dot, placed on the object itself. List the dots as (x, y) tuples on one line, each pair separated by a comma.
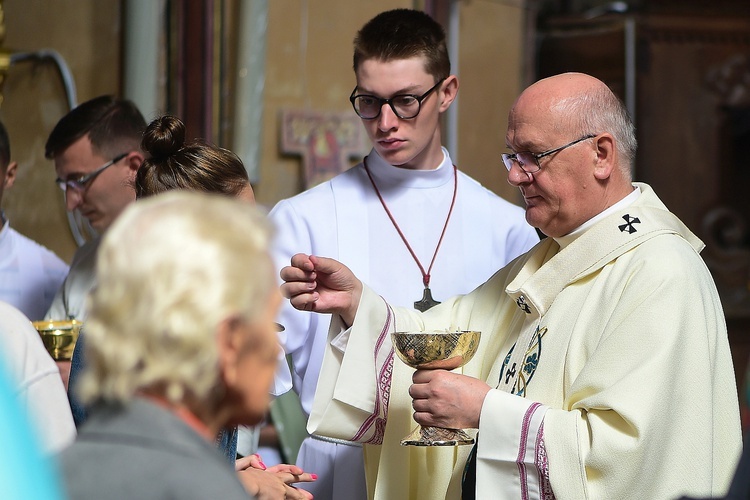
[(113, 126), (4, 147), (402, 34)]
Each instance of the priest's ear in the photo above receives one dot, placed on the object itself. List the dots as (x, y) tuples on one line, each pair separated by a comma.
[(606, 156)]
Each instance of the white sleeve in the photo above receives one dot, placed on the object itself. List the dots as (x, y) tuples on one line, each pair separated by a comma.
[(354, 384), (37, 380), (45, 398), (510, 448)]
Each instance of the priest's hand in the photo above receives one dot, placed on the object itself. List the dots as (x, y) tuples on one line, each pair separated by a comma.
[(445, 399), (322, 285)]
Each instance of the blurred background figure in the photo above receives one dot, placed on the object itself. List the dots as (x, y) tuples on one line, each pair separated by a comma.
[(37, 383), (96, 150), (30, 274), (177, 348)]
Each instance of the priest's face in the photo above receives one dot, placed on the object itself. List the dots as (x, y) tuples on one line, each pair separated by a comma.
[(564, 192), (412, 143)]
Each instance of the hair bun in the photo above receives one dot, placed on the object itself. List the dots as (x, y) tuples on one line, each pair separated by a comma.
[(163, 137)]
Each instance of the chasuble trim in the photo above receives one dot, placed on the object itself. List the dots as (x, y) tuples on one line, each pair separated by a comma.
[(542, 465), (385, 376), (522, 448)]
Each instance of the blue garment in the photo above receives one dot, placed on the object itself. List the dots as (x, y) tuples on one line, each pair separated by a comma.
[(25, 474), (226, 441)]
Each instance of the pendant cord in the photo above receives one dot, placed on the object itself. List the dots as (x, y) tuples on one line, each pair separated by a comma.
[(425, 275)]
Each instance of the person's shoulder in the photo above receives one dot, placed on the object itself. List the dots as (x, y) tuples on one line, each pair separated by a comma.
[(669, 258), (23, 349), (12, 319), (27, 245), (316, 196), (135, 470), (144, 449), (669, 246)]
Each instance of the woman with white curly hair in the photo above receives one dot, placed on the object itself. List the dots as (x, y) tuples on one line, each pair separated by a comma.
[(177, 348)]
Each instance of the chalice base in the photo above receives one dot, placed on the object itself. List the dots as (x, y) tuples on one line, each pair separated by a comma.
[(436, 436)]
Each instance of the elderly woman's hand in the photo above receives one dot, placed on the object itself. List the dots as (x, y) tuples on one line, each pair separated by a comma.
[(272, 483)]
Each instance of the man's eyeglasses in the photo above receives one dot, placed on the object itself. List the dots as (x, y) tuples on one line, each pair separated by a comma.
[(79, 183), (529, 162), (405, 106)]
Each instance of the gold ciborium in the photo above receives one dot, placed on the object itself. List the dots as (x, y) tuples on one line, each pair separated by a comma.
[(436, 350), (59, 337)]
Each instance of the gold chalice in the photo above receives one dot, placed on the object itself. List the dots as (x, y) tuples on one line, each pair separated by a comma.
[(436, 350), (59, 337)]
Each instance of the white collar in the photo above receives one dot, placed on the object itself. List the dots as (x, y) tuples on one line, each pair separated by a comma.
[(387, 175), (566, 240)]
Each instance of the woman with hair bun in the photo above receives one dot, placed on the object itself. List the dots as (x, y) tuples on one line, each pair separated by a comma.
[(174, 164)]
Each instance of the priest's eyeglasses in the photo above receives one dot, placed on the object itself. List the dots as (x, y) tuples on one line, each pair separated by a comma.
[(405, 106), (79, 183), (529, 162)]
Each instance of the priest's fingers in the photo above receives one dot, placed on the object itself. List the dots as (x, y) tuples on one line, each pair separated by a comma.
[(302, 261), (340, 290), (296, 282), (303, 300), (326, 265), (424, 376), (447, 399), (299, 286), (322, 285), (323, 265), (292, 274)]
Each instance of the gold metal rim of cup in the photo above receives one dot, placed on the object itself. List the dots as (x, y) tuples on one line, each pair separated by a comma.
[(51, 325)]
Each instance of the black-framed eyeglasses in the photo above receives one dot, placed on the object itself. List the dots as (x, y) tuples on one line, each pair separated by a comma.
[(79, 183), (529, 162), (405, 106)]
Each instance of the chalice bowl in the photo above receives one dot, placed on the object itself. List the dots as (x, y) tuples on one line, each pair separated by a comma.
[(59, 337), (436, 350)]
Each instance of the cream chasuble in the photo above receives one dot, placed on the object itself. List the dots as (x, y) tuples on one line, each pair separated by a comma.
[(625, 388)]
